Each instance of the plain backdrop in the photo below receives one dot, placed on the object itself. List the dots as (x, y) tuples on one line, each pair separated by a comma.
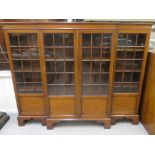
[(7, 95), (74, 9)]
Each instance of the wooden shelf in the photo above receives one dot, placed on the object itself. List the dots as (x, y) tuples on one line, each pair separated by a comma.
[(131, 47), (61, 47), (93, 59), (53, 60), (24, 46), (98, 47), (128, 59)]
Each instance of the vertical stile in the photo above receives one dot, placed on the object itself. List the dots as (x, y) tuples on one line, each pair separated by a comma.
[(43, 69)]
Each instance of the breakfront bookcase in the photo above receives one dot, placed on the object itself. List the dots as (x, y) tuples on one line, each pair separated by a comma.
[(77, 71)]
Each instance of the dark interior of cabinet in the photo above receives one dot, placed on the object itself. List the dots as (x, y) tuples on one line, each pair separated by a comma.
[(129, 59), (96, 54), (26, 61), (59, 61)]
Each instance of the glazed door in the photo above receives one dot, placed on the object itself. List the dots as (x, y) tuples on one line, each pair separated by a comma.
[(24, 56), (58, 47), (129, 71), (96, 57)]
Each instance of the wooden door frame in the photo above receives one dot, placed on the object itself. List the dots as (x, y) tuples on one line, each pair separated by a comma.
[(127, 30), (113, 49), (17, 95), (76, 79)]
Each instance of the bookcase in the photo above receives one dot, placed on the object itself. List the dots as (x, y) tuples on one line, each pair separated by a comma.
[(87, 71)]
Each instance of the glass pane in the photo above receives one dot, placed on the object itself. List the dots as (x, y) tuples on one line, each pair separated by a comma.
[(135, 87), (132, 39), (85, 66), (50, 66), (120, 54), (86, 79), (36, 77), (69, 90), (33, 39), (119, 64), (106, 53), (29, 87), (52, 89), (15, 53), (130, 54), (34, 53), (86, 53), (59, 53), (96, 66), (137, 64), (122, 40), (86, 39), (95, 89), (60, 78), (104, 78), (96, 53), (96, 39), (27, 65), (136, 77), (25, 53), (69, 40), (20, 88), (61, 90), (117, 87), (48, 39), (95, 78), (105, 66), (106, 39), (129, 64), (17, 65), (23, 39), (127, 77), (104, 89), (69, 66), (139, 54), (141, 39), (51, 78), (69, 78), (19, 77), (93, 66), (38, 87), (13, 39), (49, 53), (86, 90), (60, 66), (126, 87), (58, 39), (118, 76), (69, 53), (35, 65), (28, 77)]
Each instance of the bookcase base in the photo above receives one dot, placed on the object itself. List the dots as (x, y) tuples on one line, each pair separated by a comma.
[(23, 119), (133, 118)]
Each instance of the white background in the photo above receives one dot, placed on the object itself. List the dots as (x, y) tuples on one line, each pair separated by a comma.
[(76, 145), (7, 95)]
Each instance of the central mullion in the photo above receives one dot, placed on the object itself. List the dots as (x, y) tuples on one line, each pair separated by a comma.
[(64, 65), (91, 63), (99, 88), (55, 68)]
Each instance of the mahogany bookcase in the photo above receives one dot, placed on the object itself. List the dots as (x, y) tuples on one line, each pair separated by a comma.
[(77, 71)]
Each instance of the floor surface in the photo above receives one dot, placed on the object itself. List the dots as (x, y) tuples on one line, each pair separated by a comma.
[(71, 128)]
